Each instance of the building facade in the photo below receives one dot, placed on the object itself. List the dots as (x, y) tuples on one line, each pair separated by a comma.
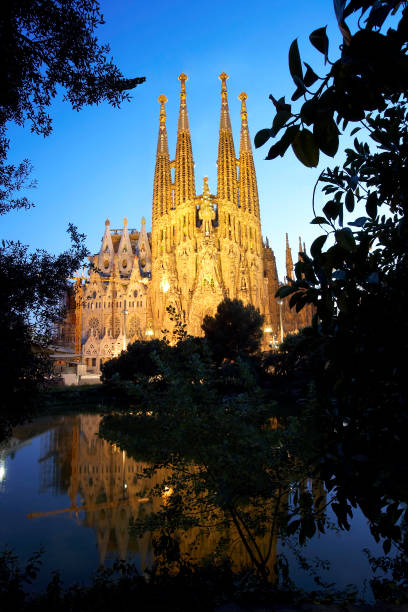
[(202, 249)]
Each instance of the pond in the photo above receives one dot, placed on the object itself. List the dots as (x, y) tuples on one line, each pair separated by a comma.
[(72, 494)]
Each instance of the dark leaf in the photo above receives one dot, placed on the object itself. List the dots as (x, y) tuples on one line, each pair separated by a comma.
[(319, 40), (371, 205), (349, 200), (317, 245), (279, 121), (319, 221), (360, 222), (308, 111), (274, 151), (327, 136), (288, 138), (261, 137), (305, 148), (295, 64), (345, 239), (283, 292), (331, 209), (310, 76)]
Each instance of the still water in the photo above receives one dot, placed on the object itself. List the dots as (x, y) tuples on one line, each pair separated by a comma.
[(65, 490)]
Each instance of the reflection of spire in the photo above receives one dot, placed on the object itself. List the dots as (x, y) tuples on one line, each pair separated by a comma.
[(248, 190), (184, 164), (227, 165), (289, 262), (162, 194)]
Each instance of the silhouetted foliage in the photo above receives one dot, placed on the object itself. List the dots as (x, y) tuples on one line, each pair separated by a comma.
[(30, 303), (235, 330), (136, 363), (44, 46), (358, 285)]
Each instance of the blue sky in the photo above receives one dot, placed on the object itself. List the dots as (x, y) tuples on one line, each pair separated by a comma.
[(99, 163)]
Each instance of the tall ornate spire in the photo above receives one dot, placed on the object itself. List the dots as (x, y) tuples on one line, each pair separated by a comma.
[(184, 165), (248, 189), (162, 195), (227, 165), (289, 261)]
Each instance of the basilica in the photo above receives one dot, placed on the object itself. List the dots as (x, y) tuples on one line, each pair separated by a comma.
[(203, 248)]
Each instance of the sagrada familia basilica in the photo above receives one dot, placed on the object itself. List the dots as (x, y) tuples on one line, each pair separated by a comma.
[(202, 249)]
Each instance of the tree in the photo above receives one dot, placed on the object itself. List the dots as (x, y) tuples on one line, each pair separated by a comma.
[(30, 303), (235, 330), (136, 363), (44, 46), (358, 285)]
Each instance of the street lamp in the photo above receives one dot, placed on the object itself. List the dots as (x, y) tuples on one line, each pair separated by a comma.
[(280, 302)]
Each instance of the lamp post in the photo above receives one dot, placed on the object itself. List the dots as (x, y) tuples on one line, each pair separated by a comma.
[(280, 302), (124, 312)]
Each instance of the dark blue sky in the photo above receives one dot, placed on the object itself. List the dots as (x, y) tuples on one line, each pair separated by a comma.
[(99, 163)]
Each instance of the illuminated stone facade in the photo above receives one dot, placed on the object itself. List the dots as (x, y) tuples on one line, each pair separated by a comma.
[(202, 248)]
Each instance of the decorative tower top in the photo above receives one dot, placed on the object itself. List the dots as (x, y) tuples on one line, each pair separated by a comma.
[(248, 189), (107, 222), (183, 116), (289, 261), (206, 190), (162, 193), (206, 212), (184, 164), (245, 144), (162, 99), (225, 123), (227, 187)]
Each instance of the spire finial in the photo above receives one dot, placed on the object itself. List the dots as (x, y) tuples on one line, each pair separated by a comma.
[(183, 78), (107, 222), (223, 78), (243, 96), (206, 190), (143, 221), (125, 222), (162, 99)]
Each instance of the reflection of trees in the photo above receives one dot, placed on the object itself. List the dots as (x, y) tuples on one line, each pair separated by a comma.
[(108, 490), (219, 503)]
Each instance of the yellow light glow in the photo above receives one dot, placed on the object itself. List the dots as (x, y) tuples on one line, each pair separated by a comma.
[(268, 330), (165, 285), (149, 332), (167, 492)]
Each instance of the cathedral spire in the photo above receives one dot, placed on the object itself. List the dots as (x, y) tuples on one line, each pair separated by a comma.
[(162, 194), (227, 164), (184, 164), (248, 190), (289, 261)]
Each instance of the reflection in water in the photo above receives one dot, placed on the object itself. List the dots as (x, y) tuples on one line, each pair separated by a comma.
[(105, 487), (107, 490)]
